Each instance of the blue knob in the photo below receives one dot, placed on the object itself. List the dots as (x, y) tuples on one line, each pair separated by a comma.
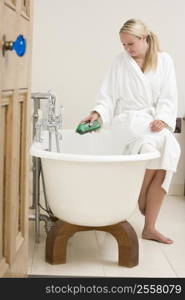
[(19, 45)]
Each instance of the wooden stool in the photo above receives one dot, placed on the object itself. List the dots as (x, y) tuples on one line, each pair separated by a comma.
[(57, 238)]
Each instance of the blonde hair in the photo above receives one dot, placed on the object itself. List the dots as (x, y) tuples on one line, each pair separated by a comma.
[(139, 29)]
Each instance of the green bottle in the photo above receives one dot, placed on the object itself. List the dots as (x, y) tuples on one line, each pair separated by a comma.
[(87, 127)]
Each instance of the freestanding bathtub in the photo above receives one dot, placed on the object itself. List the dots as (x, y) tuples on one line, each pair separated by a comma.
[(91, 183)]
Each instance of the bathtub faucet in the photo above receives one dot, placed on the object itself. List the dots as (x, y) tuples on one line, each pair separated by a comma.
[(52, 122)]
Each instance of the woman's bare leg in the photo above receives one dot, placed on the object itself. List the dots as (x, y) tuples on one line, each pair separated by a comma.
[(149, 175), (154, 198)]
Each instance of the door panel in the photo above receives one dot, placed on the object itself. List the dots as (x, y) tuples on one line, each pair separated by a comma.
[(13, 64), (11, 4), (25, 9), (3, 116), (15, 19), (9, 60)]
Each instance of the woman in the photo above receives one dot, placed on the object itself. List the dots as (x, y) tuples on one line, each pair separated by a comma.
[(139, 96)]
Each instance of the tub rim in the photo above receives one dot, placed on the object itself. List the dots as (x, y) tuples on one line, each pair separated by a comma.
[(37, 152)]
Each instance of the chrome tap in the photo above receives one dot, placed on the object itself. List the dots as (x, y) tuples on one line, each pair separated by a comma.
[(38, 131), (51, 122)]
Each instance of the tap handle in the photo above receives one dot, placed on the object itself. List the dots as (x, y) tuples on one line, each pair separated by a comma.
[(38, 129), (61, 116), (52, 96)]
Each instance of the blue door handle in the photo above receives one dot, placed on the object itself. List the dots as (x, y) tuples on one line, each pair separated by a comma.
[(19, 45)]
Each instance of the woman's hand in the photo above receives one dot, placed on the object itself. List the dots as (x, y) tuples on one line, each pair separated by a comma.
[(91, 118), (157, 125)]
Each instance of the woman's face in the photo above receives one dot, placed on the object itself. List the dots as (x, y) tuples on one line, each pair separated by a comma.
[(135, 47)]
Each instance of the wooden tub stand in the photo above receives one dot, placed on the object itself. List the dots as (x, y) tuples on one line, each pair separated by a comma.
[(57, 238)]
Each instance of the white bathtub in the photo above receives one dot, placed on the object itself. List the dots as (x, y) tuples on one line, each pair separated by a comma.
[(91, 183)]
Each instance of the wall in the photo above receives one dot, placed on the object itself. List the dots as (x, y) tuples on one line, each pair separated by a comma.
[(75, 41)]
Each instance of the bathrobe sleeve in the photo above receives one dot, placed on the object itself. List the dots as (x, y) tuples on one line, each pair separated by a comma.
[(166, 108), (107, 95)]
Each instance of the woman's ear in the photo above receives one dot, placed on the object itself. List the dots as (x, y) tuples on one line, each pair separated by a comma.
[(144, 37)]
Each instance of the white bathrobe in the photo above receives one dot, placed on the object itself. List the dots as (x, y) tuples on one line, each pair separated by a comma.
[(129, 100)]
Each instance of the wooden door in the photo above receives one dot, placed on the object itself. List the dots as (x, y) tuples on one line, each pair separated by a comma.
[(15, 19)]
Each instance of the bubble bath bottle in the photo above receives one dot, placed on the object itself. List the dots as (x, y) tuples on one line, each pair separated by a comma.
[(87, 127)]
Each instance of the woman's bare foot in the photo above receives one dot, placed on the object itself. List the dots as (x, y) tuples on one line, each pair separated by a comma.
[(155, 235)]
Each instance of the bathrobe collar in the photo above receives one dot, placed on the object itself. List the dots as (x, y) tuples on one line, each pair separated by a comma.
[(140, 78)]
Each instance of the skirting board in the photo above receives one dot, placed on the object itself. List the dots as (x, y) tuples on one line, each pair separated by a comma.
[(176, 189)]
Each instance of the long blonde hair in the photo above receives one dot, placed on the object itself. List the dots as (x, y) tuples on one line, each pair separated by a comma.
[(139, 29)]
